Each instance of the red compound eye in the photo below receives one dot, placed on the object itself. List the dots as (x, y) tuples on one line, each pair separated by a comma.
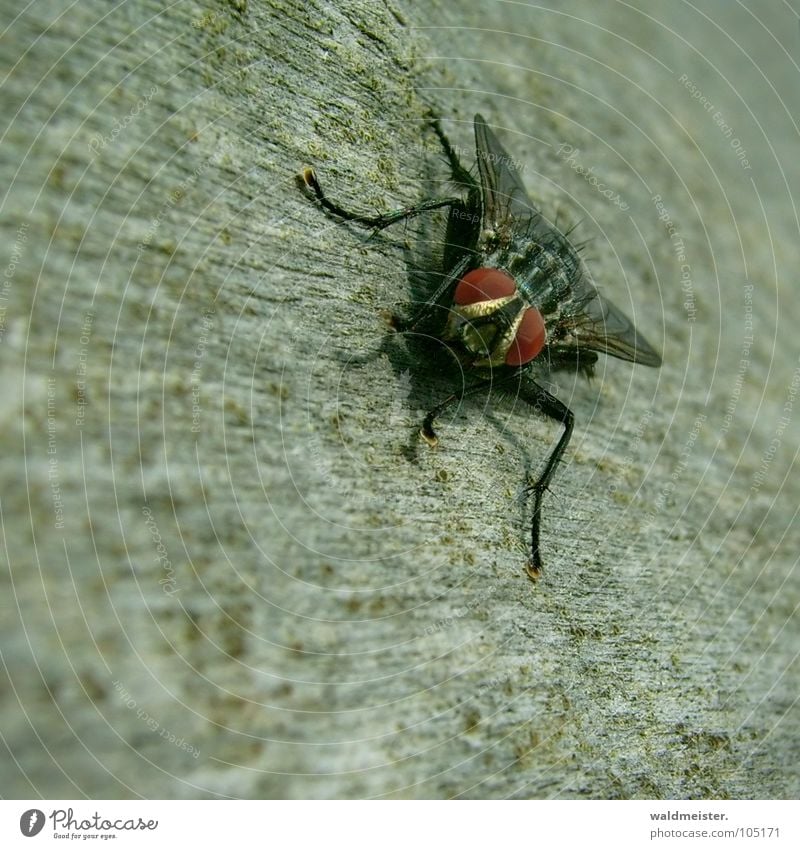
[(529, 339), (483, 284)]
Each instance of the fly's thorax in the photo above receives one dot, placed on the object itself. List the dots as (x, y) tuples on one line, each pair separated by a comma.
[(545, 273), (493, 322)]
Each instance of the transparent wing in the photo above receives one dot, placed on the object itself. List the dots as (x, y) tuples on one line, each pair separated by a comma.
[(595, 322), (600, 326), (506, 205)]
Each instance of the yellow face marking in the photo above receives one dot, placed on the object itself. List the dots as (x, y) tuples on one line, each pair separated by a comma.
[(481, 308), (483, 340)]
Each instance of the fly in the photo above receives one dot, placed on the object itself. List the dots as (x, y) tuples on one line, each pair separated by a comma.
[(515, 301)]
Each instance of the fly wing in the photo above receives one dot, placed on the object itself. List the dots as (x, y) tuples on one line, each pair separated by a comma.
[(506, 205), (598, 325)]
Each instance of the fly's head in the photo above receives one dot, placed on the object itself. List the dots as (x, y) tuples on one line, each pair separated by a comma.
[(493, 322)]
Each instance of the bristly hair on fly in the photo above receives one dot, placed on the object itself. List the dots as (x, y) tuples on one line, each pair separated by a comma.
[(515, 300)]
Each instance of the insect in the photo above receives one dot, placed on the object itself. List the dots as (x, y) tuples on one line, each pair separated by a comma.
[(515, 301)]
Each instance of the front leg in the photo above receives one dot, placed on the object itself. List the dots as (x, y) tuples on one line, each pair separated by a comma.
[(463, 226), (427, 432), (374, 222), (545, 403), (440, 299)]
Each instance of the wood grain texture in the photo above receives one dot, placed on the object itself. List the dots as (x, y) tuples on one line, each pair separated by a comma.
[(233, 569)]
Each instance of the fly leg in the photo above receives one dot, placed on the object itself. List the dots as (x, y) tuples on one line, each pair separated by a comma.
[(439, 300), (427, 431), (463, 226), (379, 222), (546, 404), (373, 222), (573, 360), (542, 402)]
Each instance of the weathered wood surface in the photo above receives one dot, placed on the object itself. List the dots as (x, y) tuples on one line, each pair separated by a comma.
[(232, 570)]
